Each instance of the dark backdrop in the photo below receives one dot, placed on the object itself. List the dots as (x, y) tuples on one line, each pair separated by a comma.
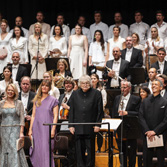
[(73, 8)]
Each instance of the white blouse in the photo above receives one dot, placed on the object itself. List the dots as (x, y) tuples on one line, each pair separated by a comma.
[(19, 46), (60, 44), (96, 52)]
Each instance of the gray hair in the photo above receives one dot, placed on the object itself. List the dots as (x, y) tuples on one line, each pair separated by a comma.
[(84, 78), (125, 81), (161, 84)]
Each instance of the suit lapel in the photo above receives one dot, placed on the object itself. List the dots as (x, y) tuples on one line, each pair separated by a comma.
[(165, 68), (17, 75), (129, 101)]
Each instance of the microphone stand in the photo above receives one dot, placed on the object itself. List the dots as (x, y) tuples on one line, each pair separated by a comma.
[(36, 65), (121, 153)]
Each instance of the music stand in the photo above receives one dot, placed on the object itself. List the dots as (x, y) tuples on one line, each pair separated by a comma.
[(138, 75), (111, 94), (131, 127), (51, 63)]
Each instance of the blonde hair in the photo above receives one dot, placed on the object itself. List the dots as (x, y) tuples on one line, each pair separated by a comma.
[(158, 38), (39, 24), (15, 91), (4, 21), (51, 76), (64, 62), (37, 98)]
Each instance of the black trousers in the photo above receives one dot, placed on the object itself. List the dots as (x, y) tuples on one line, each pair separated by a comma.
[(85, 143), (148, 155), (129, 147)]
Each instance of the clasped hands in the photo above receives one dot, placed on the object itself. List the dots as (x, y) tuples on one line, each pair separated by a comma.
[(122, 113)]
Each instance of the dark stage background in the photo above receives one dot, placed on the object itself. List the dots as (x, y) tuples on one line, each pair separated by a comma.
[(73, 8)]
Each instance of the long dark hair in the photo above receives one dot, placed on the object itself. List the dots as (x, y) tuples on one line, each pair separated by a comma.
[(61, 30), (21, 32), (101, 40), (80, 27)]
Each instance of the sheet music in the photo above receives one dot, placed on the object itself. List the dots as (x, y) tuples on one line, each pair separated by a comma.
[(114, 123), (158, 142), (64, 127)]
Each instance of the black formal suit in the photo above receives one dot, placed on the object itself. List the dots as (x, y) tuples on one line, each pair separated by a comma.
[(165, 95), (21, 72), (136, 58), (156, 65), (30, 103), (145, 84), (132, 108), (153, 116), (123, 72), (85, 107)]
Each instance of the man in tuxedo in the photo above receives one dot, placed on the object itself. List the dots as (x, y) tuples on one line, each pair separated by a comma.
[(85, 106), (152, 73), (153, 120), (161, 64), (26, 96), (127, 105), (119, 67), (131, 54), (18, 71), (163, 79)]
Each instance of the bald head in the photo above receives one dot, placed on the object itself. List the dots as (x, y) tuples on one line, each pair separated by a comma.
[(15, 58), (116, 53)]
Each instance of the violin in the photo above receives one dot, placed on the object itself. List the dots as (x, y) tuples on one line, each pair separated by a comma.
[(64, 112)]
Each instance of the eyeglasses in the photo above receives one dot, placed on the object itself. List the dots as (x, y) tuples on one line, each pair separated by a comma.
[(124, 87), (85, 83)]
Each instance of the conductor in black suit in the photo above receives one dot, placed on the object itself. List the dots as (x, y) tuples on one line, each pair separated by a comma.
[(18, 71), (127, 104), (161, 64), (153, 119), (85, 106), (119, 67), (131, 54)]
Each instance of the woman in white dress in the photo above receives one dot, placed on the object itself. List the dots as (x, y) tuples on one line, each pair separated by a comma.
[(18, 43), (42, 39), (4, 45), (116, 41), (7, 74), (78, 53), (57, 43), (97, 51)]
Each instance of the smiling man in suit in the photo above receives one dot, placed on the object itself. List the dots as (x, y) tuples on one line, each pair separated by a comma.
[(18, 71), (119, 67), (131, 54), (153, 120), (161, 64), (127, 105)]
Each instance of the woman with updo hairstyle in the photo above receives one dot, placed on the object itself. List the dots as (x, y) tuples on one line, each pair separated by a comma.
[(45, 110), (18, 43), (4, 45), (115, 41), (57, 43), (7, 75), (42, 39)]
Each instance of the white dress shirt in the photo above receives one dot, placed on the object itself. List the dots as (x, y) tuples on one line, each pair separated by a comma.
[(159, 43), (162, 92), (96, 52), (123, 33), (161, 66), (55, 92), (124, 102), (162, 30), (25, 31), (128, 54), (14, 71), (150, 86), (66, 31), (100, 26), (116, 68), (85, 31), (142, 29), (24, 99)]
